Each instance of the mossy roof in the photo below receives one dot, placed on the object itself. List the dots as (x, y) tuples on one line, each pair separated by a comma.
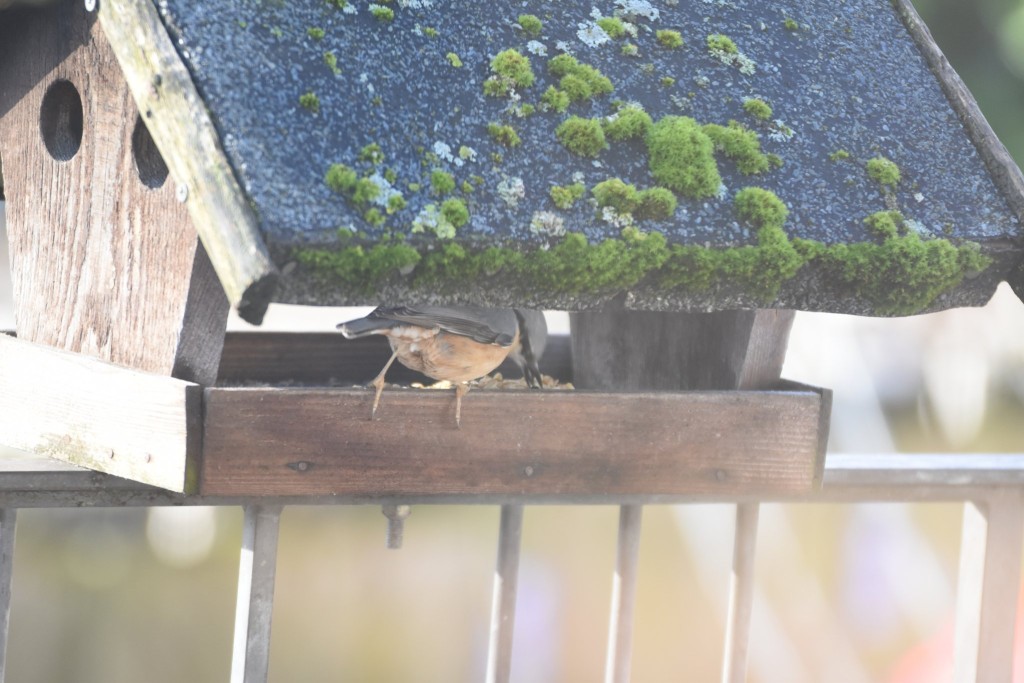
[(850, 77)]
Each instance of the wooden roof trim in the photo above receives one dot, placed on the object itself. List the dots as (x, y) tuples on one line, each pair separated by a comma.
[(180, 126), (1004, 171)]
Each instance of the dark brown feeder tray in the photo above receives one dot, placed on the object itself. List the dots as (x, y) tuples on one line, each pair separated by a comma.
[(236, 439)]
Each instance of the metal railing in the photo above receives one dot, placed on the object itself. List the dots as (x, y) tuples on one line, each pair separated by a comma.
[(991, 486)]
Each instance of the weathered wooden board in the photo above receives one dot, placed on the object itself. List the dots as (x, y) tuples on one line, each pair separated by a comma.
[(185, 134), (104, 258), (284, 442), (123, 422)]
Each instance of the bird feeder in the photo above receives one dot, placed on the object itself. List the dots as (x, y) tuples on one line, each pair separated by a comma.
[(680, 175)]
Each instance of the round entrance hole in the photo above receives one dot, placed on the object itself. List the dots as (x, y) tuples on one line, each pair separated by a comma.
[(148, 163), (60, 120)]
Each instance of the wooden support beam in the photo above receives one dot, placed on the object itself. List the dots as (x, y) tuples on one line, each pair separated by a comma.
[(987, 590), (298, 442), (503, 601), (94, 414), (257, 570), (729, 350)]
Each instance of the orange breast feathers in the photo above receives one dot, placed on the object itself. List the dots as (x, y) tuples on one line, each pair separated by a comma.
[(445, 355)]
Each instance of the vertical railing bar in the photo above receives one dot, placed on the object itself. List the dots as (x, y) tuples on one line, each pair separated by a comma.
[(257, 567), (987, 590), (8, 522), (741, 594), (503, 601), (620, 627)]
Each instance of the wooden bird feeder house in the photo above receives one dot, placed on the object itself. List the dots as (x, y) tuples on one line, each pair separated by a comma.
[(680, 176), (645, 169)]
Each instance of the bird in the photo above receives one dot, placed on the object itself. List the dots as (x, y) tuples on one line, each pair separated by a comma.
[(457, 344)]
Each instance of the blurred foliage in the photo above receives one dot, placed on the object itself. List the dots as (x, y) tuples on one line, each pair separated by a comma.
[(984, 41)]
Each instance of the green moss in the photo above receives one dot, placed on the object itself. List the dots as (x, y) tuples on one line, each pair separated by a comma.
[(680, 156), (555, 99), (374, 217), (525, 110), (739, 144), (584, 137), (503, 134), (579, 81), (341, 178), (883, 171), (903, 273), (613, 26), (338, 4), (757, 108), (565, 196), (396, 203), (442, 182), (631, 121), (629, 50), (760, 207), (331, 60), (656, 204), (670, 39), (310, 101), (511, 69), (358, 270), (365, 191), (467, 187), (839, 155), (454, 60), (791, 24), (430, 32), (616, 194), (667, 81), (455, 212), (372, 153), (530, 24), (384, 14), (719, 44), (315, 32)]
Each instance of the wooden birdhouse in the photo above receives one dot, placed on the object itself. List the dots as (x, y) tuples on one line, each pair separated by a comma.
[(680, 175)]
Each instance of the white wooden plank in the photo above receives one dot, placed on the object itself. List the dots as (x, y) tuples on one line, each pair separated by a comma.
[(97, 415), (988, 585), (741, 594), (257, 569), (620, 628)]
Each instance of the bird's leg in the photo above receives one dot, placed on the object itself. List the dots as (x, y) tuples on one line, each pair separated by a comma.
[(461, 389), (378, 383)]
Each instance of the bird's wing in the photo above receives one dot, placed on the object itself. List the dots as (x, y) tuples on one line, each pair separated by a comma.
[(485, 325)]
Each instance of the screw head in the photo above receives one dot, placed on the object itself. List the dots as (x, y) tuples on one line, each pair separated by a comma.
[(181, 192), (90, 5)]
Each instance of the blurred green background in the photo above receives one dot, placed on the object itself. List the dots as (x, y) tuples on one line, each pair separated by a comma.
[(845, 593)]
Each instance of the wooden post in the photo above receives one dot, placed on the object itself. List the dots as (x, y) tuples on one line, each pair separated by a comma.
[(8, 519), (987, 590), (503, 602), (250, 657), (630, 350)]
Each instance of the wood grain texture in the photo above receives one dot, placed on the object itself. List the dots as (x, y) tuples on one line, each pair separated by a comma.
[(321, 442), (102, 264), (670, 351), (181, 127), (86, 412)]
